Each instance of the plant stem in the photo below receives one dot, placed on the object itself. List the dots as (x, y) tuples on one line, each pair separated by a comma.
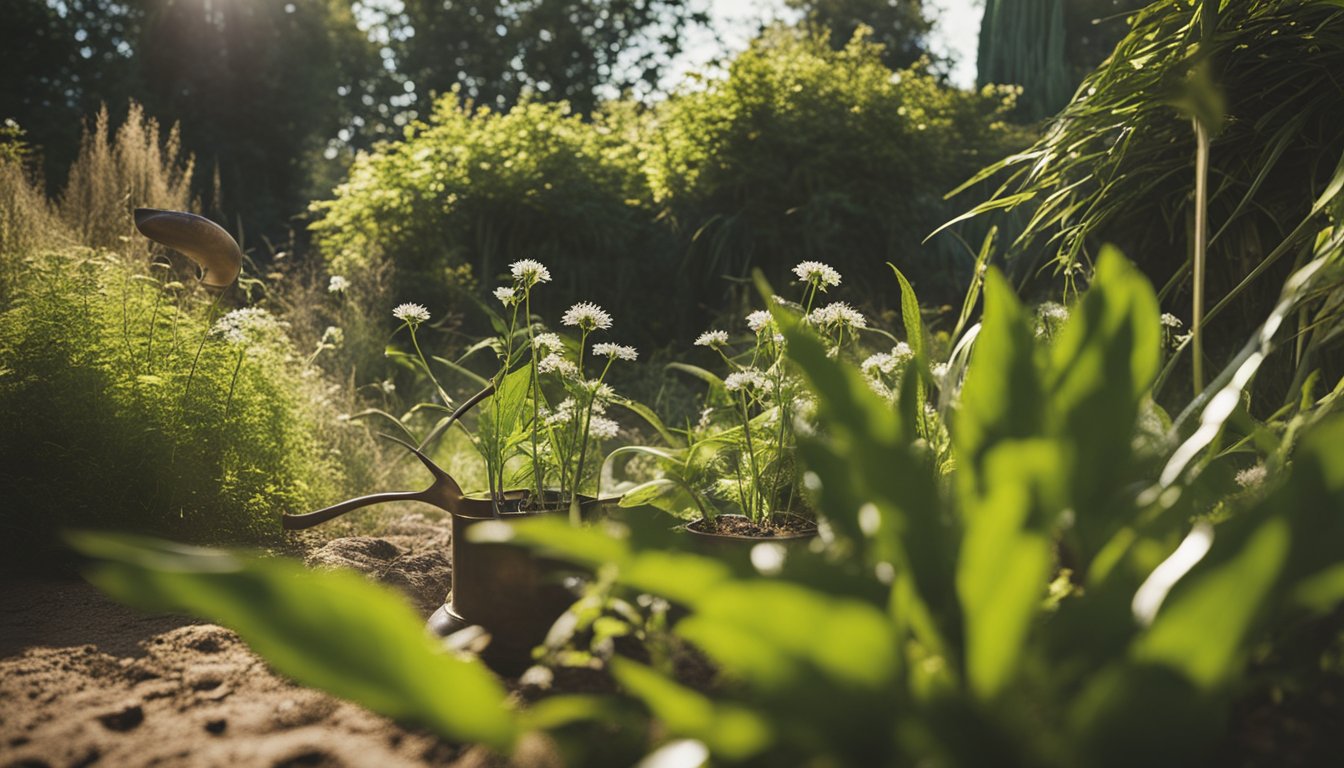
[(209, 322), (425, 364), (238, 366), (583, 441), (1200, 251), (536, 390), (153, 319), (751, 456)]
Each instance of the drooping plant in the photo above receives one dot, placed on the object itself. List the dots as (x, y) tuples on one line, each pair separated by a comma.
[(1117, 159)]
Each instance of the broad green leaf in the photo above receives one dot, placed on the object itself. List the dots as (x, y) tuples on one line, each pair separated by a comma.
[(1101, 368), (1002, 397), (336, 631), (1005, 559), (732, 732)]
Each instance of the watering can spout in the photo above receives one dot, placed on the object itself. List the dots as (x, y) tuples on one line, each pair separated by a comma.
[(203, 241)]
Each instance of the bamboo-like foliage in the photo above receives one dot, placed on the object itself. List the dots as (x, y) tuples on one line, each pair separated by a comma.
[(1022, 43), (1116, 164)]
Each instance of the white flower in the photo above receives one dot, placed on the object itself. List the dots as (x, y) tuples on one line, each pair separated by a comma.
[(387, 386), (816, 273), (563, 413), (507, 296), (712, 339), (1252, 477), (602, 427), (548, 342), (838, 315), (616, 351), (601, 392), (759, 320), (554, 363), (528, 272), (1053, 312), (1171, 321), (245, 324), (747, 378), (938, 372), (337, 284), (587, 316), (333, 335), (888, 362), (411, 314)]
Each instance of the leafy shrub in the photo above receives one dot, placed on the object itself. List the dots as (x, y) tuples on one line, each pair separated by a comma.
[(800, 153), (1117, 164), (807, 153), (474, 190), (112, 421)]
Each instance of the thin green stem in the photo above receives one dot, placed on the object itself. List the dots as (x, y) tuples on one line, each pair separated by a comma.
[(191, 375), (425, 364), (233, 382), (536, 390), (754, 485)]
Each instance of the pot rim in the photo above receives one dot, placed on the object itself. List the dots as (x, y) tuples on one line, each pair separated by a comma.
[(744, 537), (472, 502)]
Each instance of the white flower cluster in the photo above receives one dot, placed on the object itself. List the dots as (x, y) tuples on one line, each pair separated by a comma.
[(616, 351), (246, 324), (1252, 477), (337, 284), (508, 295), (333, 336), (760, 320), (1171, 321), (747, 378), (1052, 312), (411, 314), (587, 316), (556, 363), (888, 363), (568, 412), (712, 339), (548, 342), (529, 272), (837, 315), (818, 274)]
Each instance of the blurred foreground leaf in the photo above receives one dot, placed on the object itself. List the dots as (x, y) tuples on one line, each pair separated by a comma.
[(334, 631)]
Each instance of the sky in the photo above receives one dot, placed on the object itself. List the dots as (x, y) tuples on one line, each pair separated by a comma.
[(956, 33)]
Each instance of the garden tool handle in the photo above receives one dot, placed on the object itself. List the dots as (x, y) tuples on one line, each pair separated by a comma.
[(308, 520)]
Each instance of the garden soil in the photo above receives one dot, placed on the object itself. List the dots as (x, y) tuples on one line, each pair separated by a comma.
[(85, 681)]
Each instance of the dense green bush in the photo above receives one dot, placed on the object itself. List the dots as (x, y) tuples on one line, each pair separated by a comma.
[(121, 407), (473, 190), (112, 421), (803, 152), (800, 152)]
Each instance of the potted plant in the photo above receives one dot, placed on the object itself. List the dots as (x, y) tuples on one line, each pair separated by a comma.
[(742, 453), (539, 424)]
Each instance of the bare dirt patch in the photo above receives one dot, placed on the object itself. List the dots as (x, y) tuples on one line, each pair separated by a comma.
[(86, 681)]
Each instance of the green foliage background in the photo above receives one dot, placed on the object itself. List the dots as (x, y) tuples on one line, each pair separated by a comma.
[(800, 152)]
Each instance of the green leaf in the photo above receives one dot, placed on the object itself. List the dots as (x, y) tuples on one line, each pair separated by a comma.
[(1005, 559), (336, 631), (730, 731)]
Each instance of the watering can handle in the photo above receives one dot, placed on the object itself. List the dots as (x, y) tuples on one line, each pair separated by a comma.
[(440, 493), (308, 520)]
